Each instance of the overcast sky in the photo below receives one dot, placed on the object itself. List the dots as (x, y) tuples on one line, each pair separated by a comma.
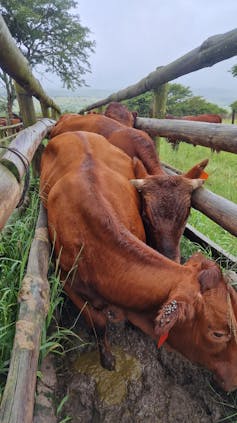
[(133, 37)]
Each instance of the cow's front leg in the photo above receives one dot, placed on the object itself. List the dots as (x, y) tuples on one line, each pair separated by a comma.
[(97, 320)]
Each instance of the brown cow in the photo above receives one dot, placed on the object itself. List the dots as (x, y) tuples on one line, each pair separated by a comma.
[(15, 119), (208, 117), (120, 113), (91, 219), (166, 200)]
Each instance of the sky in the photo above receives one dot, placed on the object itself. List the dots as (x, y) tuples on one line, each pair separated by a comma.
[(133, 37)]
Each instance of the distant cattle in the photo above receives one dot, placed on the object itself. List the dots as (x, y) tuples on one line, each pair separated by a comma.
[(208, 117), (166, 200), (13, 120), (110, 274)]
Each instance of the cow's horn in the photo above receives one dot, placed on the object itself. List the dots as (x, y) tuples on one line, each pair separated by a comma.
[(196, 183), (138, 183)]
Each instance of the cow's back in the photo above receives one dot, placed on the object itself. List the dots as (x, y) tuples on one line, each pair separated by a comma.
[(133, 142), (88, 208), (91, 123), (69, 152)]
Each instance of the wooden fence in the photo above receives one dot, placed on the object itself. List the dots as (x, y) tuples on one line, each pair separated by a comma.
[(18, 399)]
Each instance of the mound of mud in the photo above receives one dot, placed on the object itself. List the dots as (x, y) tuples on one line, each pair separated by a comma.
[(149, 385)]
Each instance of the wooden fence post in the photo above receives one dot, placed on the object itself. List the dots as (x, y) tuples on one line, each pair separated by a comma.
[(44, 109), (19, 394), (54, 114), (26, 105), (233, 117), (27, 111), (159, 105)]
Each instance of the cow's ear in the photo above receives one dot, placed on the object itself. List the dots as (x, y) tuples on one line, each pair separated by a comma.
[(197, 171), (210, 275), (167, 317), (139, 168), (170, 313)]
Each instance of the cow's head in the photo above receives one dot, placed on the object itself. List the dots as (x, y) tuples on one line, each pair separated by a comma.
[(120, 113), (166, 202), (203, 328)]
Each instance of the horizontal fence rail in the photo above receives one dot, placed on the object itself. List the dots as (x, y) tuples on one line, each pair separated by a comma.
[(213, 135), (12, 168), (211, 51)]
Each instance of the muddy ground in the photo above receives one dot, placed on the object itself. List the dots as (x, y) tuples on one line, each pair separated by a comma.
[(148, 386)]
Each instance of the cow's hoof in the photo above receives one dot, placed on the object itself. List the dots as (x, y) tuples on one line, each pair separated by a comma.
[(108, 361)]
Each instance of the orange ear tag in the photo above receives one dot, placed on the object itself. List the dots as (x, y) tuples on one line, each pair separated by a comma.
[(204, 175), (162, 339)]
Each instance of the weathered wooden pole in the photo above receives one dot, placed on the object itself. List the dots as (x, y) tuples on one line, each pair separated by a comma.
[(233, 117), (27, 111), (12, 168), (19, 394), (159, 106), (218, 137), (26, 106), (44, 109)]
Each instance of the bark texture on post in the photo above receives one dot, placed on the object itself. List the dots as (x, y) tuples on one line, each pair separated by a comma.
[(18, 398)]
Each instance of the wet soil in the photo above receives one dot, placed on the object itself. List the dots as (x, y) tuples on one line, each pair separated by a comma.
[(148, 385)]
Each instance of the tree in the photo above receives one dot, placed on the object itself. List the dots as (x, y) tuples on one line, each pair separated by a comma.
[(141, 104), (234, 70), (194, 105), (180, 102), (50, 34), (177, 94)]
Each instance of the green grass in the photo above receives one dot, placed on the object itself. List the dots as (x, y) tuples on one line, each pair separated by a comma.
[(222, 170)]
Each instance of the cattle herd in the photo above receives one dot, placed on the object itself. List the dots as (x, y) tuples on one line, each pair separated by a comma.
[(116, 219)]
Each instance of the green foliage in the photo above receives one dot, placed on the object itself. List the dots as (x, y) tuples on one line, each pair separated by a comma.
[(234, 70), (234, 105), (194, 106), (49, 33), (141, 104), (180, 102), (177, 94)]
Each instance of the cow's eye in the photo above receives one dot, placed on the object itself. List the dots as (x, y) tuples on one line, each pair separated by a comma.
[(218, 334)]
